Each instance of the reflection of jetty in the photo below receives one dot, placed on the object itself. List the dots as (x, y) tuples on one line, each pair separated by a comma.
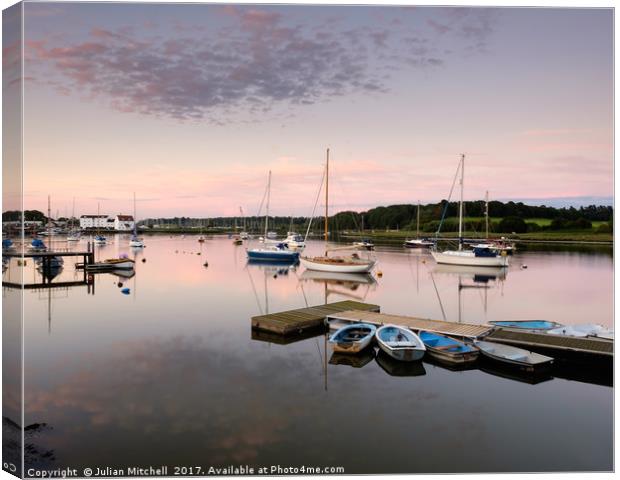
[(294, 322), (46, 258)]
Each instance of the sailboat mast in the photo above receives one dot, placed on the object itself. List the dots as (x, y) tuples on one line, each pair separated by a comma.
[(49, 220), (267, 210), (461, 203), (135, 220), (326, 200), (486, 213), (417, 230)]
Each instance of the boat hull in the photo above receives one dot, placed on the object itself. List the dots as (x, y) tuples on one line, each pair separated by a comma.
[(418, 244), (399, 350), (273, 255), (448, 350), (340, 343), (469, 259), (362, 267), (513, 356)]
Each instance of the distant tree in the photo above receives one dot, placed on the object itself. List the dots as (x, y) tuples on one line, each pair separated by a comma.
[(512, 224)]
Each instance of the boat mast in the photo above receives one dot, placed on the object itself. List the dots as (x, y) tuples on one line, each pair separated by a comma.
[(417, 231), (267, 210), (461, 203), (486, 214), (73, 216), (326, 200), (49, 220), (135, 220)]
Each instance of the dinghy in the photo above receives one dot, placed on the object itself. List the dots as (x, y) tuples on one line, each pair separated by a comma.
[(118, 263), (584, 330), (527, 324), (448, 349), (509, 355), (353, 338), (400, 343)]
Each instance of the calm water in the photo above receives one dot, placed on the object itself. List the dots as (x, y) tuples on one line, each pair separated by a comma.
[(172, 373)]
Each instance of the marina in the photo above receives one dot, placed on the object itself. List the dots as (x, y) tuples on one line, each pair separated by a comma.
[(266, 324)]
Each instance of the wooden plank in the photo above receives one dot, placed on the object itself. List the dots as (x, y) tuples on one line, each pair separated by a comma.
[(544, 340), (292, 321)]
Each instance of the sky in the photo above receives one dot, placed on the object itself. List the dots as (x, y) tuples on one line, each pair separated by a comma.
[(190, 106)]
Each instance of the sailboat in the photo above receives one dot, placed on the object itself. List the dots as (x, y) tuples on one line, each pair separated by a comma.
[(99, 239), (325, 263), (499, 245), (135, 240), (277, 252), (73, 235), (479, 256), (55, 262), (244, 235), (418, 242)]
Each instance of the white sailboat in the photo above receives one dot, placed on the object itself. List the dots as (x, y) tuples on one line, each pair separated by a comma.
[(419, 242), (479, 256), (135, 241), (73, 235), (345, 264), (99, 239)]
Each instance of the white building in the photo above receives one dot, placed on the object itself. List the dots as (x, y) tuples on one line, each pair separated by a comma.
[(123, 222), (93, 221)]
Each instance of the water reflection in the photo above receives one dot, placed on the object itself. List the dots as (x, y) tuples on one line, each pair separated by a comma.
[(396, 368), (173, 373), (356, 361)]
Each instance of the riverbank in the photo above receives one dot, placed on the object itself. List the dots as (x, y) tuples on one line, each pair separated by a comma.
[(576, 237)]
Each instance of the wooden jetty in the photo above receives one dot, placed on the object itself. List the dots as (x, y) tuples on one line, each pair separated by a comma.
[(414, 323), (88, 255), (553, 343), (301, 319)]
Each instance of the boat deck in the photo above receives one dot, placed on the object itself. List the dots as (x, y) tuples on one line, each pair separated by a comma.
[(296, 321), (414, 323)]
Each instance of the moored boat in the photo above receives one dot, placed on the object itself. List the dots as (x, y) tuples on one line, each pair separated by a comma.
[(353, 338), (364, 244), (447, 349), (120, 263), (541, 325), (99, 240), (513, 356), (274, 254), (419, 243), (400, 343), (482, 256), (349, 264), (583, 330)]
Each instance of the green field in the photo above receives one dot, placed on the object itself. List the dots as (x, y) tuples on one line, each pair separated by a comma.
[(543, 222)]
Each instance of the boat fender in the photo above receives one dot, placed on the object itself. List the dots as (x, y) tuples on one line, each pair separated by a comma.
[(125, 291)]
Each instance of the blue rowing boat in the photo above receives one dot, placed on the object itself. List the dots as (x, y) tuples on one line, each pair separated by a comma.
[(447, 349), (353, 338), (527, 324)]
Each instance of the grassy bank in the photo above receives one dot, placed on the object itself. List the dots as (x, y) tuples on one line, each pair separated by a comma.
[(546, 236)]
